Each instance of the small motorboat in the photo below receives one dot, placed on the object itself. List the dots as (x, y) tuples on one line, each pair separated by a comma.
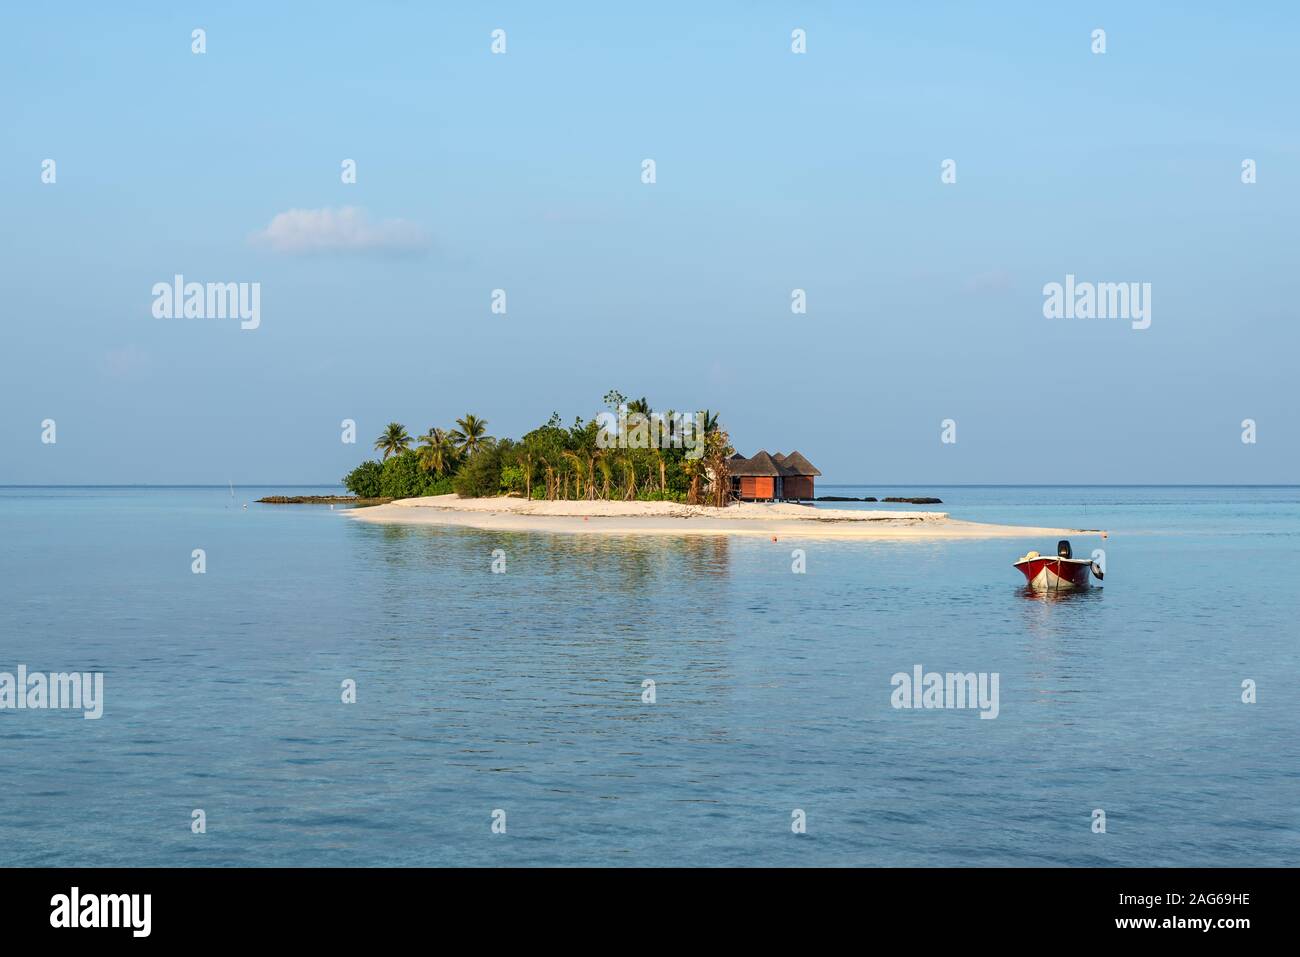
[(1062, 573)]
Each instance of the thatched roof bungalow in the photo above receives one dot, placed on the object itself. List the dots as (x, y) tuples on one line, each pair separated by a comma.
[(772, 477)]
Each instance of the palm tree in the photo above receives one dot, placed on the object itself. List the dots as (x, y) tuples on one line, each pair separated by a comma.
[(717, 452), (394, 441), (528, 462), (551, 483), (657, 455), (585, 460), (606, 474), (694, 469), (437, 454), (577, 473), (629, 469), (472, 434)]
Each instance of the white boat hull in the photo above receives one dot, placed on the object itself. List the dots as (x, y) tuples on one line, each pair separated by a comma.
[(1047, 573)]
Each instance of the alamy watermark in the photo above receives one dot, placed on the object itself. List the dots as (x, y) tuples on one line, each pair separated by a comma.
[(71, 691), (930, 689), (1102, 300), (636, 430), (214, 300), (75, 909)]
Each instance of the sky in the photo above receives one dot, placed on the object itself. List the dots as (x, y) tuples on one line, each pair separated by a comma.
[(774, 171)]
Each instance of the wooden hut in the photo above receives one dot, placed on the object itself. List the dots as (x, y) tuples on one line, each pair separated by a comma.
[(764, 477), (799, 475)]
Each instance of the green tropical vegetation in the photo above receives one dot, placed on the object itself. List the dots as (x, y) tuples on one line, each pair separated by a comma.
[(551, 462), (394, 441)]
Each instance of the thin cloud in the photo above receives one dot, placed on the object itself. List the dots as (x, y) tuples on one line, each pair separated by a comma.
[(348, 229)]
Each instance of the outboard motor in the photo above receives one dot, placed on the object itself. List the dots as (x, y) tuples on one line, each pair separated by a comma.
[(1063, 549)]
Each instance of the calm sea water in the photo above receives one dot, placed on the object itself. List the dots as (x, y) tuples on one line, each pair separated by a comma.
[(522, 691)]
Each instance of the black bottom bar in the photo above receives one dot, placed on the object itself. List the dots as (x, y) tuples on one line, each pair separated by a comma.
[(333, 906)]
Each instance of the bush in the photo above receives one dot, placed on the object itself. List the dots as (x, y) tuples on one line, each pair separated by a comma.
[(658, 496), (397, 477), (481, 476), (365, 479), (512, 478), (439, 485), (403, 477)]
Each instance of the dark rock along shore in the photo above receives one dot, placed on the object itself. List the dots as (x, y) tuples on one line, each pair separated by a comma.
[(905, 501)]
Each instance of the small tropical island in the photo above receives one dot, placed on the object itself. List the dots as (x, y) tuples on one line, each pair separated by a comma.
[(629, 470), (583, 461)]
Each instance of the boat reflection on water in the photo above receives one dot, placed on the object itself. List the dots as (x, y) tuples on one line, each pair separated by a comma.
[(1051, 596), (1059, 626)]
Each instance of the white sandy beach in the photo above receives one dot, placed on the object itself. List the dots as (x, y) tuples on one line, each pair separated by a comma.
[(668, 518)]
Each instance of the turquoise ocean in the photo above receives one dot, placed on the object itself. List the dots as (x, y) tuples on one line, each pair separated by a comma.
[(522, 692)]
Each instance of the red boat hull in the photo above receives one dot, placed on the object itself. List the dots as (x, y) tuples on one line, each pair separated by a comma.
[(1056, 574)]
